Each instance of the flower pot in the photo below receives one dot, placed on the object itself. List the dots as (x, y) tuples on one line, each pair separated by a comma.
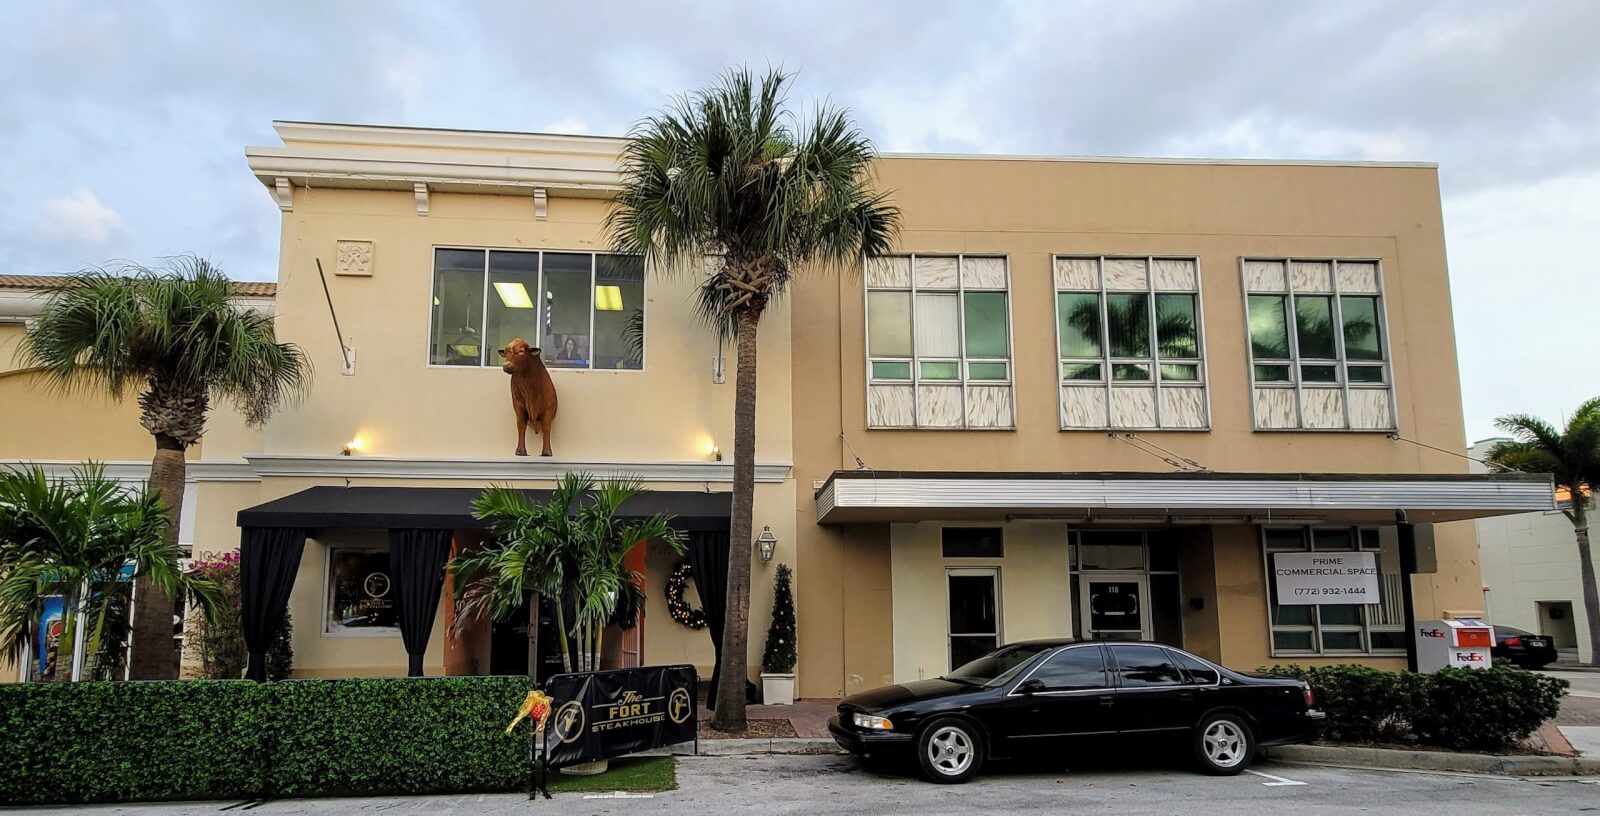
[(777, 689), (587, 768)]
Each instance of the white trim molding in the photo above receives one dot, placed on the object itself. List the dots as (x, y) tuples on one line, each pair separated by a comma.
[(1188, 497), (535, 468), (283, 192), (133, 471)]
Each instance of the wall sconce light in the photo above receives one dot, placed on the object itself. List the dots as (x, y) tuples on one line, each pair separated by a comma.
[(716, 453), (767, 542), (352, 447)]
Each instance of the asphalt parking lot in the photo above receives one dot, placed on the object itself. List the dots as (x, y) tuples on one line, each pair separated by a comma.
[(812, 785)]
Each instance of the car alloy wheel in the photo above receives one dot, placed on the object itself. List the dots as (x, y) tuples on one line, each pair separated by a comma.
[(1224, 744), (950, 751)]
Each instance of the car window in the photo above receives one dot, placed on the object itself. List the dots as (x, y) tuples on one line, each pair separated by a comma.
[(999, 666), (1509, 630), (1200, 673), (1145, 666), (1073, 669)]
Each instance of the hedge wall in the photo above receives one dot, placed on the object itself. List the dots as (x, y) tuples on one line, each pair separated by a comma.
[(231, 739)]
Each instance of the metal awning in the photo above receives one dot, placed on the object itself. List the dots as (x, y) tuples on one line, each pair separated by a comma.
[(880, 496), (450, 508)]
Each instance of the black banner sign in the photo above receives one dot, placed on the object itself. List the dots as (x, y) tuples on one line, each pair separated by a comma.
[(598, 715)]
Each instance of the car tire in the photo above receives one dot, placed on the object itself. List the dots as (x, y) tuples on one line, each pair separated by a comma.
[(1224, 745), (950, 751)]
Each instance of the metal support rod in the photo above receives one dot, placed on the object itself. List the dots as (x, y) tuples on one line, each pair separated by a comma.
[(1408, 567), (344, 350)]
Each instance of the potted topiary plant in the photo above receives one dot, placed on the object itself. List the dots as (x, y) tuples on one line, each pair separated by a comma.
[(777, 662)]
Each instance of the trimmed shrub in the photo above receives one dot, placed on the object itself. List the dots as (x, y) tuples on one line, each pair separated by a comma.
[(1483, 709), (389, 736), (119, 742), (1363, 704)]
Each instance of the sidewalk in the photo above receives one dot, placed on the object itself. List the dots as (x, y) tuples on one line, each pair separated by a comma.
[(809, 718)]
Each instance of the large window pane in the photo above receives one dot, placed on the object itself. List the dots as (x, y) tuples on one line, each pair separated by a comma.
[(985, 315), (938, 327), (514, 285), (457, 335), (567, 303), (618, 312), (360, 593), (889, 324), (1175, 326), (1361, 331), (1129, 318), (1313, 323), (1078, 323), (1269, 335)]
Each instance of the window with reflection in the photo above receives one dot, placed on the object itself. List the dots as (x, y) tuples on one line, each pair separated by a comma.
[(1337, 628), (583, 310)]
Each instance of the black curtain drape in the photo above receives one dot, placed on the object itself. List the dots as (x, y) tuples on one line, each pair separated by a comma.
[(416, 565), (708, 558), (269, 557)]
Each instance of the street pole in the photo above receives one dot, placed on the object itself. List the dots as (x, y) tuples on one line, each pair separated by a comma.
[(1407, 535)]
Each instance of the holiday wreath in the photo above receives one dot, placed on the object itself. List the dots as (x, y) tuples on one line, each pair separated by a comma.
[(677, 607)]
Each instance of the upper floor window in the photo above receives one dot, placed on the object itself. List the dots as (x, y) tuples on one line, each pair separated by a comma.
[(583, 309), (1318, 345), (939, 342), (1131, 347)]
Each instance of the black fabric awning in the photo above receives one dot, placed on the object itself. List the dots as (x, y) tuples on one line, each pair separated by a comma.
[(450, 508)]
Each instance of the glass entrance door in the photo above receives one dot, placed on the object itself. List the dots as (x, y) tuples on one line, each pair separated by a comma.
[(1114, 606), (974, 613)]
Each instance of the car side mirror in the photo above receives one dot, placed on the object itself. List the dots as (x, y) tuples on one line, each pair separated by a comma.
[(1031, 686)]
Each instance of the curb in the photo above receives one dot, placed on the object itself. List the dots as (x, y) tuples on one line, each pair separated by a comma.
[(748, 747), (1363, 757)]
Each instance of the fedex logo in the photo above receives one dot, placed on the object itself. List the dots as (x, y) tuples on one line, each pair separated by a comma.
[(1431, 633), (1469, 657)]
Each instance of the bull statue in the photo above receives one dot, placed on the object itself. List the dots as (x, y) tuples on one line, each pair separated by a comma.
[(533, 395)]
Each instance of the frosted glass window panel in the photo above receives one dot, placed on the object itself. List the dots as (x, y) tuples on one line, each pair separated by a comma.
[(889, 324), (983, 272), (935, 272), (938, 326), (891, 272)]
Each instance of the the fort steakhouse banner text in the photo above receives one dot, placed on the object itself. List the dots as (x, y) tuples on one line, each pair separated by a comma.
[(611, 713)]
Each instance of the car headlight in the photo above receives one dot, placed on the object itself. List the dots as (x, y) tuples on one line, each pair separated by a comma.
[(872, 722)]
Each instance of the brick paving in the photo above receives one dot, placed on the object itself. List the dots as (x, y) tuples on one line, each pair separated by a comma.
[(1579, 711)]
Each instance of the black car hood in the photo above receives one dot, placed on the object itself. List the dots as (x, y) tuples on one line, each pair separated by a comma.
[(879, 699)]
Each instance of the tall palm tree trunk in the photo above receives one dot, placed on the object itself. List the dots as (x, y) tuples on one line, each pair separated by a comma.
[(1591, 592), (154, 655), (729, 715)]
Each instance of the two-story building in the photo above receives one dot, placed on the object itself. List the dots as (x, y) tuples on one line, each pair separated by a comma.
[(1087, 397)]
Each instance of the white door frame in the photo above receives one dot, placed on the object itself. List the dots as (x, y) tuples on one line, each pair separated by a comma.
[(993, 574), (1140, 577)]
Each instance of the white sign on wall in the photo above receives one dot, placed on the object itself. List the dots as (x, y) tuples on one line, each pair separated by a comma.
[(1326, 577)]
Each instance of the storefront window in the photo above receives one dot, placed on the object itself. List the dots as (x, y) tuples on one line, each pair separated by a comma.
[(1335, 628), (360, 592)]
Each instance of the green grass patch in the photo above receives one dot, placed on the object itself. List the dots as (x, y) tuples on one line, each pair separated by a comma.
[(633, 774)]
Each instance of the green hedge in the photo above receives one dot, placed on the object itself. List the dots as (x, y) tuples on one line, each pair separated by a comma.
[(231, 739), (1461, 709)]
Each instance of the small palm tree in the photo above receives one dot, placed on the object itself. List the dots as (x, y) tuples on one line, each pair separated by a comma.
[(729, 173), (570, 549), (72, 538), (176, 337), (1572, 456)]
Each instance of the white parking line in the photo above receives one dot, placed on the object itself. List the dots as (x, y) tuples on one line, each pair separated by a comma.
[(1277, 781)]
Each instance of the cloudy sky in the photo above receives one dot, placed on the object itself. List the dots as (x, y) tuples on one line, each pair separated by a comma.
[(122, 125)]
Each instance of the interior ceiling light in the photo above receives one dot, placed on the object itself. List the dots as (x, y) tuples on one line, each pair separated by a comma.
[(608, 298), (513, 295)]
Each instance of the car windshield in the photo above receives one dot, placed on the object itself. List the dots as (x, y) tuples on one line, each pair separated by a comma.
[(997, 667), (1510, 630)]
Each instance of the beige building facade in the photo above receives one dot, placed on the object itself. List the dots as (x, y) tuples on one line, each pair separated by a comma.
[(1085, 398)]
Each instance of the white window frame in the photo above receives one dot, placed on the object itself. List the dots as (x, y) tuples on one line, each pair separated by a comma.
[(993, 573), (1316, 627), (1106, 361), (963, 363), (1341, 365), (483, 314), (326, 628)]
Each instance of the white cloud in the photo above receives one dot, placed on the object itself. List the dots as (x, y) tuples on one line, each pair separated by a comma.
[(80, 218)]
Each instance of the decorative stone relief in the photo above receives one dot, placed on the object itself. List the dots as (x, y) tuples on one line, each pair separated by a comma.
[(1083, 407), (1077, 273), (989, 406), (935, 272), (1358, 278), (890, 406), (1126, 274), (1183, 407), (1263, 276), (1175, 273), (353, 258), (939, 406), (983, 273), (892, 272), (1311, 276), (1275, 408), (1322, 408), (1369, 409), (1133, 407)]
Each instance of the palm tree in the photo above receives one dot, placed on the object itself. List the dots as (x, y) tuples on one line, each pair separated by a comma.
[(569, 549), (72, 538), (176, 337), (1572, 456), (729, 172)]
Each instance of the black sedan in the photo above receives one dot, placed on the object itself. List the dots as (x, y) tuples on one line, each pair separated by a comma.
[(1048, 694), (1524, 649)]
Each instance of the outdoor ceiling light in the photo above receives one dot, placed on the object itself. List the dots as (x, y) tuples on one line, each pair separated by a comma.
[(513, 295), (767, 542), (608, 298)]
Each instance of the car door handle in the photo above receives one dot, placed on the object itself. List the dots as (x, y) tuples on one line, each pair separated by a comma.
[(1185, 696), (1107, 700)]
